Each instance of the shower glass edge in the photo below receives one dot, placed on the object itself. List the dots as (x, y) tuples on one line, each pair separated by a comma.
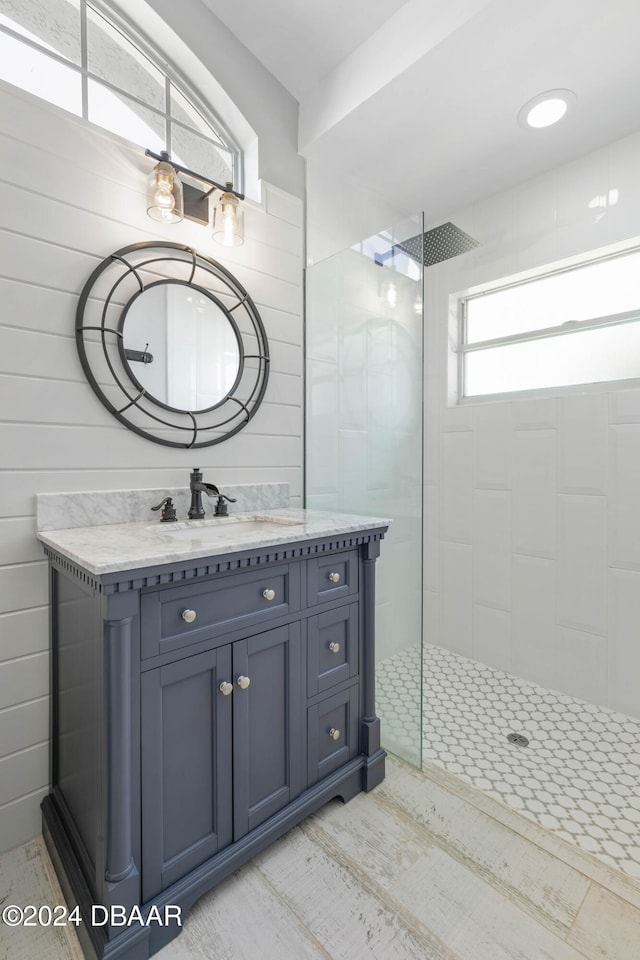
[(364, 441)]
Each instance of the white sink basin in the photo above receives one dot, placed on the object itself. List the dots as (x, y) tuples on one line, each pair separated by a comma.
[(226, 528)]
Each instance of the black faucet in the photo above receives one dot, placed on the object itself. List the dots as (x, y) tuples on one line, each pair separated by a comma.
[(197, 486)]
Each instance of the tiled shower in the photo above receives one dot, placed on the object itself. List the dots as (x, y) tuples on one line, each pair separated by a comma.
[(570, 766), (531, 563)]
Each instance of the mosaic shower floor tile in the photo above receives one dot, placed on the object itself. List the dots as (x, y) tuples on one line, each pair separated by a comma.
[(578, 775)]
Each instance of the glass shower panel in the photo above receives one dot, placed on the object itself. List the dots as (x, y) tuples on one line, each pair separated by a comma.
[(364, 441)]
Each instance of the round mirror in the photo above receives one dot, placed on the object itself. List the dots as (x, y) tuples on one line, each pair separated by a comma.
[(172, 344), (181, 346)]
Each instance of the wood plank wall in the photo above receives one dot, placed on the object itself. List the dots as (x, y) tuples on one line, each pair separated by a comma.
[(69, 196)]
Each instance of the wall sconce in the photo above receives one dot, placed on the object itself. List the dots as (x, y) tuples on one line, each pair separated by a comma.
[(169, 200), (228, 220), (164, 193)]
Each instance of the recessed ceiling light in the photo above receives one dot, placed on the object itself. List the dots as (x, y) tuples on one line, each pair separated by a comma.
[(546, 109)]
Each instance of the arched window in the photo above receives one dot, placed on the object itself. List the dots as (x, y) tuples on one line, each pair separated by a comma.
[(87, 61)]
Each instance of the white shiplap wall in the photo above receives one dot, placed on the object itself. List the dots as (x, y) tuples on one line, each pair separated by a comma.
[(69, 196)]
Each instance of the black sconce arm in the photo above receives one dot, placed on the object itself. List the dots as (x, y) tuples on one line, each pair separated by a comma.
[(164, 157)]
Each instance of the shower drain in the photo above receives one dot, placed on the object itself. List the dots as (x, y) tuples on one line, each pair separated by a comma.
[(518, 739)]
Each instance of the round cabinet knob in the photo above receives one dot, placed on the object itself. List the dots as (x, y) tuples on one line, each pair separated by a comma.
[(334, 577), (334, 733), (188, 616), (225, 688), (269, 594), (334, 646), (243, 682)]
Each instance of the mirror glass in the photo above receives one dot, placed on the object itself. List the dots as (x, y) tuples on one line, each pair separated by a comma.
[(181, 346)]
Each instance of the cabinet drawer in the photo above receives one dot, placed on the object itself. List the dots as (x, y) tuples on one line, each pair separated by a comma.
[(177, 616), (332, 577), (332, 733), (332, 648)]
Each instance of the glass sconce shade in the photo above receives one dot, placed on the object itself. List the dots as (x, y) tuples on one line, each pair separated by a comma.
[(164, 194), (228, 220)]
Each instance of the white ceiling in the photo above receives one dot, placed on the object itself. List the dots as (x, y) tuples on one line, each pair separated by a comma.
[(419, 99), (301, 41)]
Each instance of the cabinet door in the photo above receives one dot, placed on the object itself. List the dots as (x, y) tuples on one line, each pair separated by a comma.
[(186, 767), (268, 725)]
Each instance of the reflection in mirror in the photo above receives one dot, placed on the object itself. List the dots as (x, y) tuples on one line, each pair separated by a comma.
[(181, 346)]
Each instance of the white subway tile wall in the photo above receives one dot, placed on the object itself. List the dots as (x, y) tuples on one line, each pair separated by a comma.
[(492, 548), (542, 490), (582, 444)]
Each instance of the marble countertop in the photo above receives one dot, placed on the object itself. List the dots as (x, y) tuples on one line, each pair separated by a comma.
[(115, 547)]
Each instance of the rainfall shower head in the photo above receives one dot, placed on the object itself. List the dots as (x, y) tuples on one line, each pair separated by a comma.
[(433, 246), (440, 243)]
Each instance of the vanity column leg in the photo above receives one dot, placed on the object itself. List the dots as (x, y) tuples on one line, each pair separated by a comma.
[(119, 861), (370, 728)]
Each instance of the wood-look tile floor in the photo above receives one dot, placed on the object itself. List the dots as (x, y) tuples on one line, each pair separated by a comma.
[(423, 868)]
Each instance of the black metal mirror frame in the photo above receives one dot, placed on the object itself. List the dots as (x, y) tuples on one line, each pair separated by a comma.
[(226, 417)]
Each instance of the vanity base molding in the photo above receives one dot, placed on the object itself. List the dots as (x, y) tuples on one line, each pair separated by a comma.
[(139, 942), (196, 720)]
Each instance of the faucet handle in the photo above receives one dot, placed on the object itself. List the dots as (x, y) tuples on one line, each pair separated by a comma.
[(168, 510), (221, 506)]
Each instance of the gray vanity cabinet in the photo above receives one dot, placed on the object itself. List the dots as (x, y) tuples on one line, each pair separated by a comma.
[(200, 709)]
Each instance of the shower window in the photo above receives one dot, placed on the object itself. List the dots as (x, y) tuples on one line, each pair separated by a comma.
[(570, 325), (91, 63)]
